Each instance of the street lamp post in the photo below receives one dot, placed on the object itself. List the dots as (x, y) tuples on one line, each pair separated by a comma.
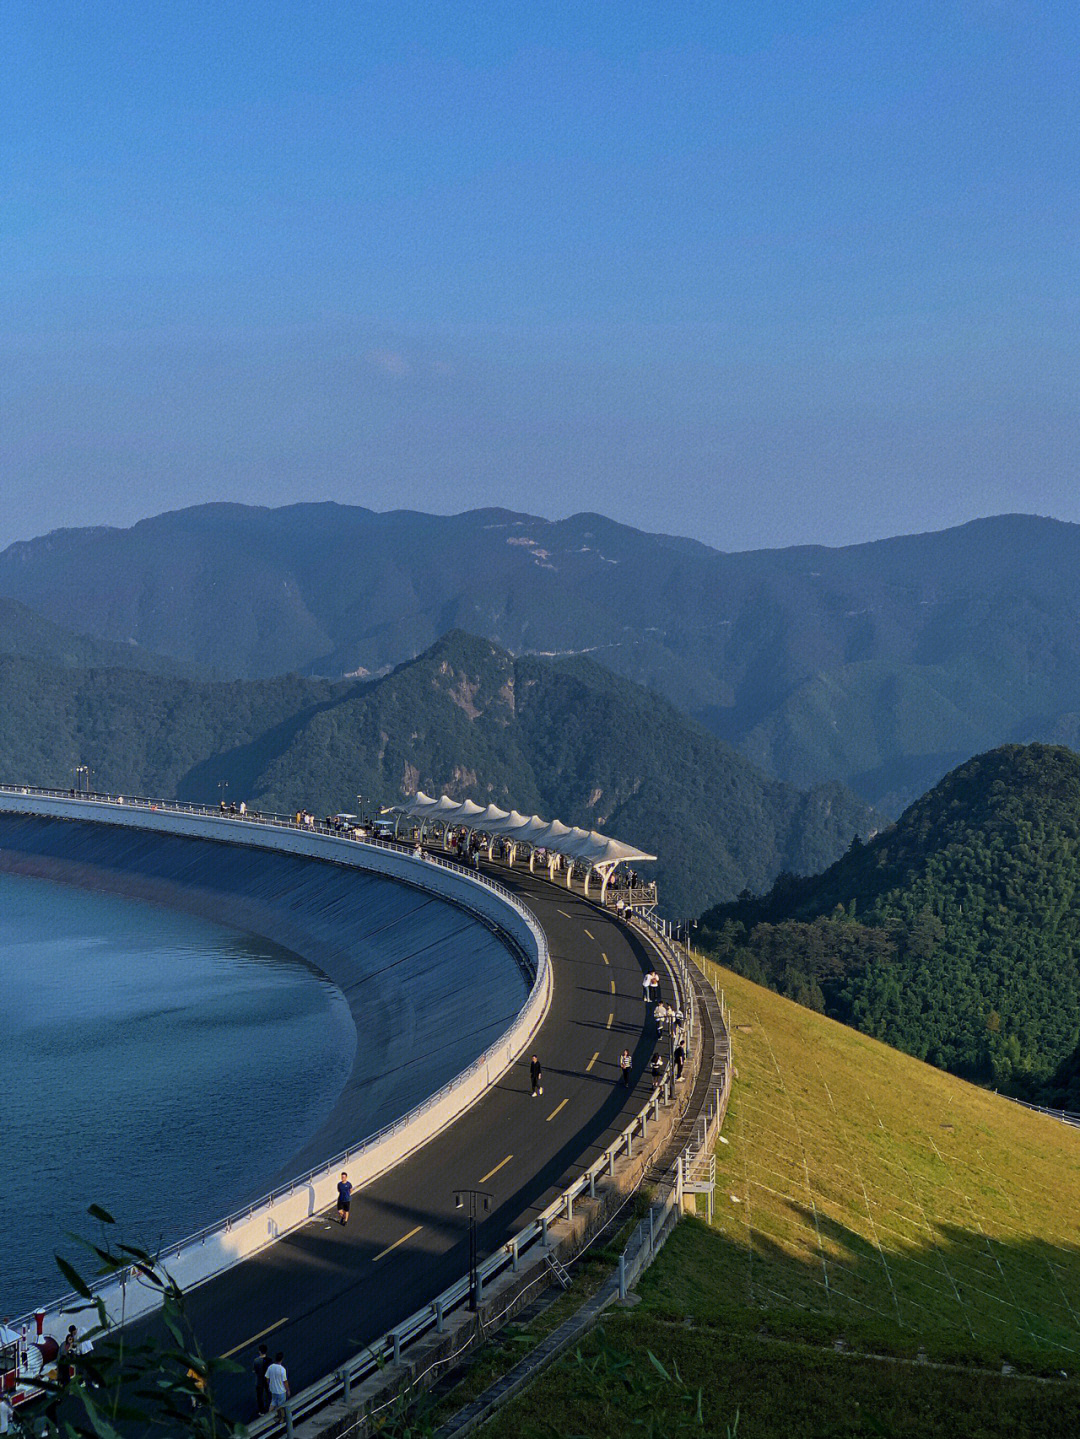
[(475, 1198)]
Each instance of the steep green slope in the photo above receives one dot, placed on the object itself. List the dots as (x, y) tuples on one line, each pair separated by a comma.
[(879, 665), (893, 1253), (954, 935), (563, 738)]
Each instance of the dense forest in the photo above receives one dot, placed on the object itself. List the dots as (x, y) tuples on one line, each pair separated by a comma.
[(563, 738), (954, 934)]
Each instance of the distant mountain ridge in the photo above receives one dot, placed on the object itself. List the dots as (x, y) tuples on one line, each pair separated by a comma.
[(567, 739), (880, 665), (953, 934)]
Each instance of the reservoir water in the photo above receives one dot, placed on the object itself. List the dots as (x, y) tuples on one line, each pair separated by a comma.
[(153, 1063)]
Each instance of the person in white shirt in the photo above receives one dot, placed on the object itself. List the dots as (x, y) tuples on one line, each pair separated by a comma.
[(7, 1413), (277, 1381)]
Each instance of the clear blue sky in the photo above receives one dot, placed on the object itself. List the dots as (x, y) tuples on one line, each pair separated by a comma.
[(758, 272)]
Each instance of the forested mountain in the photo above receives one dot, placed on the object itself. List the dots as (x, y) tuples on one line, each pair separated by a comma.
[(563, 738), (24, 632), (881, 665), (954, 934)]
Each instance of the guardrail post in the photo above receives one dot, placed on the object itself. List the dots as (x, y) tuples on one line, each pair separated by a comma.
[(288, 1418), (592, 1184), (514, 1254), (545, 1243), (569, 1208), (611, 1162), (397, 1347), (652, 1229), (440, 1317), (629, 1144), (479, 1288), (644, 1123), (622, 1276), (344, 1376)]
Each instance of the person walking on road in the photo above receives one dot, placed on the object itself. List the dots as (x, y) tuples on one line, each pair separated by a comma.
[(679, 1057), (277, 1381), (344, 1199), (626, 1064), (262, 1389), (646, 987), (536, 1074)]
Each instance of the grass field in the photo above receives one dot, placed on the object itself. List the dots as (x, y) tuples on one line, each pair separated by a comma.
[(893, 1251)]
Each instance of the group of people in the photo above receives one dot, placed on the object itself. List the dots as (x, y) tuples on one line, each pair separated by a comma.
[(271, 1382)]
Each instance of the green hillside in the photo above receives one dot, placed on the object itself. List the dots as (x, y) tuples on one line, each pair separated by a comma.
[(954, 935), (564, 738), (894, 1253)]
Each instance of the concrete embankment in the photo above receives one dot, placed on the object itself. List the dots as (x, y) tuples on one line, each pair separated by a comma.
[(429, 985)]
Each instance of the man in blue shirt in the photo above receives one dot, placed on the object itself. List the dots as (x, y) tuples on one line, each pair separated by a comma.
[(344, 1195)]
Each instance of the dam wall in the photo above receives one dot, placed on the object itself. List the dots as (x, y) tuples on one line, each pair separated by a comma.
[(445, 973)]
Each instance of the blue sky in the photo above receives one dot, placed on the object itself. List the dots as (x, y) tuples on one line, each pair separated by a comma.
[(763, 273)]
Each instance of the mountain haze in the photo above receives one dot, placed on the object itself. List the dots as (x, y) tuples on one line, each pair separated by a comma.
[(881, 665)]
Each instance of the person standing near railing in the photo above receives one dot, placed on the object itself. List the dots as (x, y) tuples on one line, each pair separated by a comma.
[(626, 1064)]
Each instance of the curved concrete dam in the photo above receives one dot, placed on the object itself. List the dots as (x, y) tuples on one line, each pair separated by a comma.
[(428, 984)]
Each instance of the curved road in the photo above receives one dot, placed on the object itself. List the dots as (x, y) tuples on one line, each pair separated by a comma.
[(325, 1291)]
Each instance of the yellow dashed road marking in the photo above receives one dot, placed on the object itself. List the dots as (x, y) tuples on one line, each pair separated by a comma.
[(391, 1247), (485, 1177), (261, 1334), (610, 1020), (592, 1061), (556, 1110)]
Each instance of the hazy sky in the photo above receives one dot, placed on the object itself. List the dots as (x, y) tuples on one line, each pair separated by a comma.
[(756, 271)]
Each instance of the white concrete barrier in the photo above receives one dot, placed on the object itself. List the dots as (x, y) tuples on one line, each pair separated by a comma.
[(219, 1247)]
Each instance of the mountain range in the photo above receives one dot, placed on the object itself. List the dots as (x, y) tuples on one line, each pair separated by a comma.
[(879, 665), (565, 738)]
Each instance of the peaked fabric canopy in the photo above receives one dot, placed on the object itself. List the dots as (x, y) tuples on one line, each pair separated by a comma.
[(572, 842)]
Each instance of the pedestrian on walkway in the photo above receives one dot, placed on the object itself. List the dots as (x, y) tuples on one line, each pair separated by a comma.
[(536, 1074), (278, 1383), (262, 1389), (657, 1066), (646, 987), (344, 1198), (626, 1064), (679, 1057)]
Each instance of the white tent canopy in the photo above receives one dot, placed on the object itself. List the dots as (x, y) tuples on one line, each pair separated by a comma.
[(570, 842)]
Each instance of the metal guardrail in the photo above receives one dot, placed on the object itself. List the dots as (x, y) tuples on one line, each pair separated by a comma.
[(538, 973), (1064, 1115)]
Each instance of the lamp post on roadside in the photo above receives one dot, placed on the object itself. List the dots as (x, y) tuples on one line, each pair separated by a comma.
[(82, 779), (223, 787), (474, 1198)]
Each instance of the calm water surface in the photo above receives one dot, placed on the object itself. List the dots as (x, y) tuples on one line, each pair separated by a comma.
[(160, 1066)]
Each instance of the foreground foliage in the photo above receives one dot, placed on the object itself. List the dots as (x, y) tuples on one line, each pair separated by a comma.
[(122, 1388)]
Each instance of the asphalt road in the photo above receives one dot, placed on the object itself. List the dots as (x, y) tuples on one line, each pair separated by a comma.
[(325, 1291)]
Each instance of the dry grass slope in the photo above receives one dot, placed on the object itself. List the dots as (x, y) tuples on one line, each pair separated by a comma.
[(894, 1251)]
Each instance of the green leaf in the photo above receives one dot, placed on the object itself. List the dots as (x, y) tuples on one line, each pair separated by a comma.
[(73, 1277)]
